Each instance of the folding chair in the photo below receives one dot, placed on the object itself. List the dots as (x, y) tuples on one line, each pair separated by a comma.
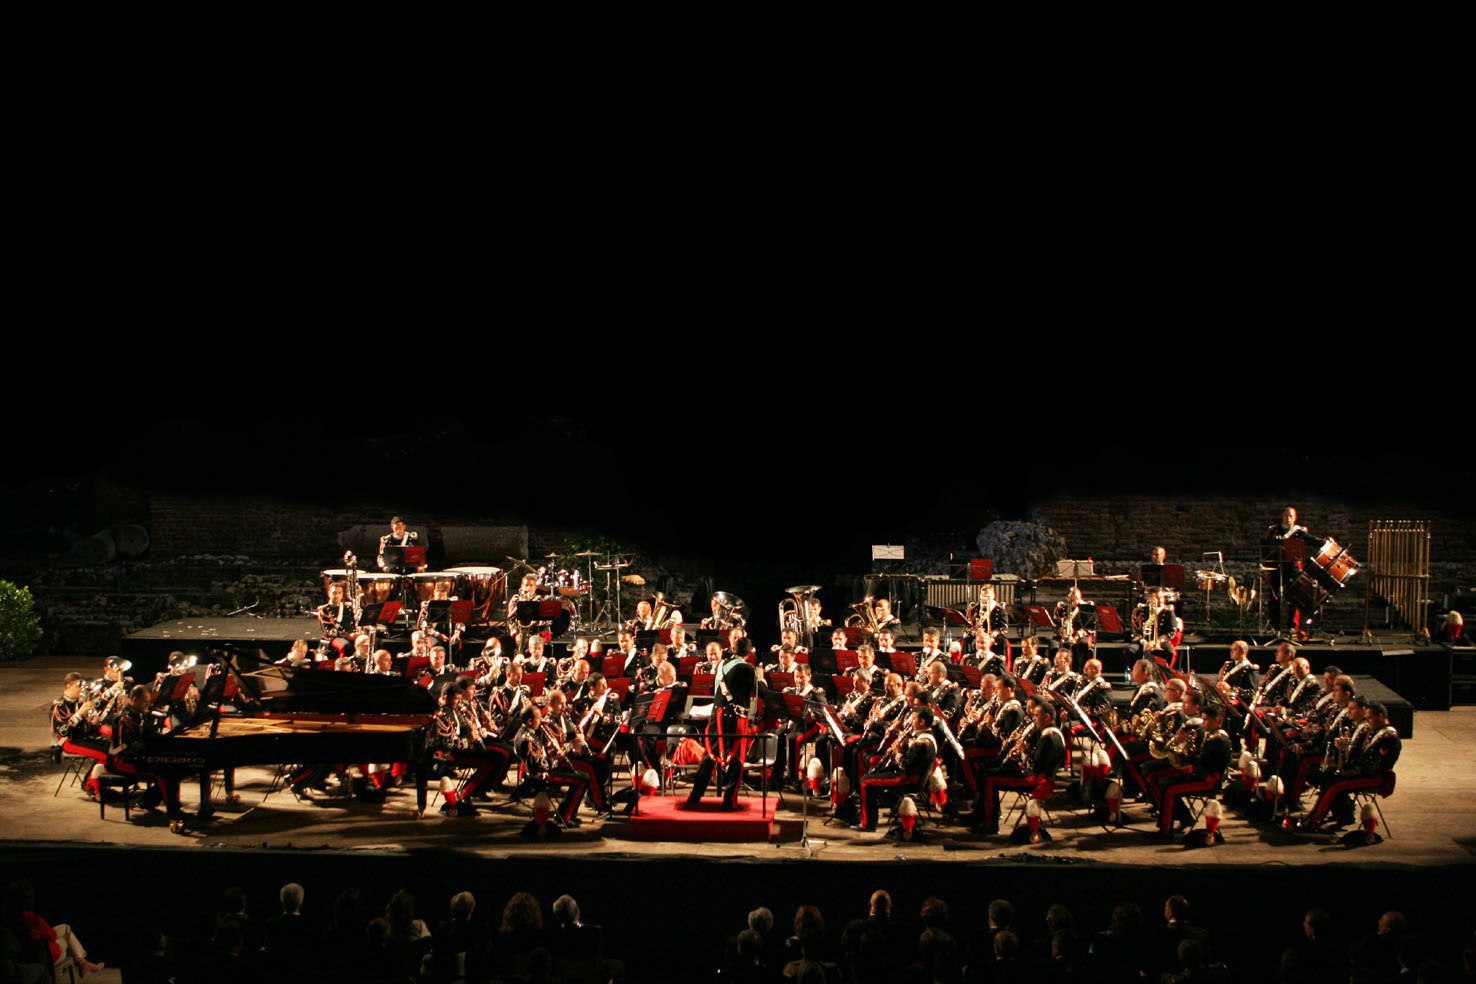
[(1373, 796)]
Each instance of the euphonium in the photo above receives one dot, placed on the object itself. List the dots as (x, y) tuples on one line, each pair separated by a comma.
[(865, 615), (661, 612)]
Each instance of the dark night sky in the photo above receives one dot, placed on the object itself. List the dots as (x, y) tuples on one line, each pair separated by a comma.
[(775, 304)]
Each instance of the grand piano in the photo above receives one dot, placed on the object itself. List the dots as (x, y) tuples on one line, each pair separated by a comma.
[(253, 712)]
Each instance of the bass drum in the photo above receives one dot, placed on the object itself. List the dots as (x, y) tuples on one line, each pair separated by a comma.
[(1306, 593), (484, 587), (1335, 562)]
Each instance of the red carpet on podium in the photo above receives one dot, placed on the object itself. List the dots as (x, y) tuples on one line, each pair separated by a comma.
[(660, 820)]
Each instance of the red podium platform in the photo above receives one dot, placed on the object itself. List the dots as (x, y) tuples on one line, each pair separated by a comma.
[(660, 820)]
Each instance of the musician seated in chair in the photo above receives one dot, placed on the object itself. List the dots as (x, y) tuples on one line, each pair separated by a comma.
[(884, 618), (1176, 729), (886, 642), (129, 735), (866, 660), (794, 734), (1368, 771), (359, 660), (712, 656), (1032, 664), (1031, 761), (458, 738), (536, 660), (74, 728), (581, 757), (882, 714), (633, 658), (1239, 677), (942, 693), (929, 654), (1095, 692), (1202, 776), (902, 773)]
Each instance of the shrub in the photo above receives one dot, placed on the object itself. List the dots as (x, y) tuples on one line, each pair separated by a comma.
[(20, 629)]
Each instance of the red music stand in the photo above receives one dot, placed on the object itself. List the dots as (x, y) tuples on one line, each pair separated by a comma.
[(955, 617), (389, 612), (415, 556), (904, 664), (972, 674), (659, 704), (778, 681), (702, 684), (534, 682), (663, 636), (621, 686), (466, 674), (461, 612), (414, 665), (550, 610), (981, 569), (843, 684), (687, 664), (1108, 620), (1039, 617), (613, 666), (855, 635), (1173, 576), (802, 658)]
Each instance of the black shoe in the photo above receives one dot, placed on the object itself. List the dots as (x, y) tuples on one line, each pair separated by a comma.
[(573, 822), (56, 754), (448, 807), (465, 809)]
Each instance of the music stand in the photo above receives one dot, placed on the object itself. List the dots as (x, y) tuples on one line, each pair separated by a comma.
[(823, 662), (438, 613), (841, 684), (645, 639), (704, 636), (846, 660)]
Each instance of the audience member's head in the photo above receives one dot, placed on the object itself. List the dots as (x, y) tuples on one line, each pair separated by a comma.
[(463, 905), (1058, 917), (881, 903), (291, 898), (566, 911), (400, 911), (1001, 914), (809, 924), (761, 921), (521, 914), (1006, 945), (1317, 924), (1176, 909), (933, 914)]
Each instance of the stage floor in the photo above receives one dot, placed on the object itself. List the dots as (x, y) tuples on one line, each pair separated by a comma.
[(1432, 815)]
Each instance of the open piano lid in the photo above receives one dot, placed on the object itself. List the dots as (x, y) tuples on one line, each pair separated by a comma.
[(284, 688)]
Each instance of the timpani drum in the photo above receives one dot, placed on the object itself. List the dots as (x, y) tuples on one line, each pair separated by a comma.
[(337, 575), (484, 587), (425, 583), (379, 587)]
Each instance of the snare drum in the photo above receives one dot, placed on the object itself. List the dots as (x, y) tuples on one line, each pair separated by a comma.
[(1336, 562), (484, 587)]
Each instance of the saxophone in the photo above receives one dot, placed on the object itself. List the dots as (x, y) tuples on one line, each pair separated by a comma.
[(355, 602)]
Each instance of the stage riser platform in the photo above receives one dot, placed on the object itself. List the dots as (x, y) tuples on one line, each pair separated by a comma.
[(1420, 676)]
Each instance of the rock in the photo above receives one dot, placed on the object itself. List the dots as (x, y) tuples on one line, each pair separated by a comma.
[(1026, 549)]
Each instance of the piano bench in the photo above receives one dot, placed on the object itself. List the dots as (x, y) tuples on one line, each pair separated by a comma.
[(127, 785)]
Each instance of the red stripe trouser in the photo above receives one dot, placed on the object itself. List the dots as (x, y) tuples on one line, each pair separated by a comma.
[(1343, 787), (1170, 796), (1040, 787), (874, 785)]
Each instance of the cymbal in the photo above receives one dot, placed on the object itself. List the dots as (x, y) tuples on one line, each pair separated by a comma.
[(588, 553), (802, 589), (552, 556), (635, 579)]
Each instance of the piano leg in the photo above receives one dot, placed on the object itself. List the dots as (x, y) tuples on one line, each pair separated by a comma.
[(422, 774), (206, 811)]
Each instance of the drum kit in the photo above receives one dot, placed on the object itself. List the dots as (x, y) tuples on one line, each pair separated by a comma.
[(1328, 571)]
